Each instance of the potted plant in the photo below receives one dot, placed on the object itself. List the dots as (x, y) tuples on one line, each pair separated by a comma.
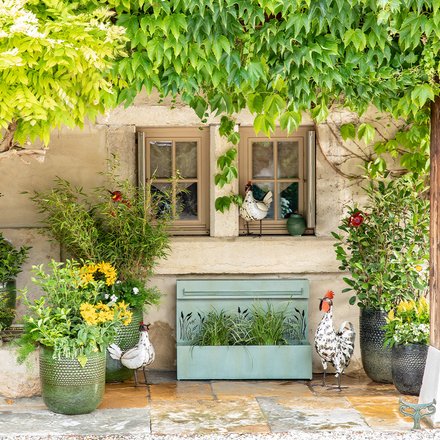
[(72, 327), (382, 246), (407, 332), (126, 226), (11, 260), (243, 329)]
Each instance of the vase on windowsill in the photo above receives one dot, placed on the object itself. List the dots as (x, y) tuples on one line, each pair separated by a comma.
[(296, 224)]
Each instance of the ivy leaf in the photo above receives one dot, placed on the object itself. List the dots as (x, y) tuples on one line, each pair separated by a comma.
[(366, 133), (348, 131), (422, 93), (290, 121)]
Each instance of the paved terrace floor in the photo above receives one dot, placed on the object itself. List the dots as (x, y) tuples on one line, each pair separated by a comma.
[(168, 409)]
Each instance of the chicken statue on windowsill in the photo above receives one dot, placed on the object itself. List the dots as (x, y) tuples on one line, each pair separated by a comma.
[(253, 209), (141, 355), (335, 347)]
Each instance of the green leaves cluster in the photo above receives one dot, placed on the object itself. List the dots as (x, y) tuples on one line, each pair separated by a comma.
[(387, 254), (11, 259), (261, 325), (55, 63), (129, 231), (279, 58), (408, 323)]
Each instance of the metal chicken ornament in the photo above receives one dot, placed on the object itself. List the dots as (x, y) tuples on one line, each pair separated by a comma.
[(253, 209), (140, 356), (335, 347)]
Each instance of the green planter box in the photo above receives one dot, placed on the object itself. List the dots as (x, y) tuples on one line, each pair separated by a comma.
[(195, 298), (245, 362)]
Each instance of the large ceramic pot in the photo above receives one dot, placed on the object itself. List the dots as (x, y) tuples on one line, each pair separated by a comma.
[(127, 336), (376, 359), (408, 365), (68, 388), (8, 293)]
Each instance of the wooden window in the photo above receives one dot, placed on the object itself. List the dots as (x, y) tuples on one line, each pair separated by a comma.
[(164, 153), (285, 165)]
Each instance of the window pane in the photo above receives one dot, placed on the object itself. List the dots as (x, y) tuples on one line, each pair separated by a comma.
[(160, 159), (288, 200), (187, 201), (163, 190), (288, 158), (259, 191), (186, 159), (262, 160)]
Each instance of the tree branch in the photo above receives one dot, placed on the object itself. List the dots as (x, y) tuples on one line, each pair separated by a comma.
[(7, 143), (37, 154)]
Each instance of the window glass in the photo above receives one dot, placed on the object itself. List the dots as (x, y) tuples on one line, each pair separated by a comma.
[(161, 159), (187, 201), (288, 157), (186, 159), (288, 199), (262, 160)]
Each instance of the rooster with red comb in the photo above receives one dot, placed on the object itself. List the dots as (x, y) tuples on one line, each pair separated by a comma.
[(334, 347)]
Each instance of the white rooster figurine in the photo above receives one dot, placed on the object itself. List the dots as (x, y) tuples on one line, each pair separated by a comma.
[(253, 209), (331, 346), (141, 355)]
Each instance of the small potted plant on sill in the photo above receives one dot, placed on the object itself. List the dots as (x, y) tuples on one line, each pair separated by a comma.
[(11, 260), (407, 332), (72, 327), (385, 249)]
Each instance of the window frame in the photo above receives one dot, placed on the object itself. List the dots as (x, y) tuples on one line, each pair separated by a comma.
[(305, 136), (199, 226)]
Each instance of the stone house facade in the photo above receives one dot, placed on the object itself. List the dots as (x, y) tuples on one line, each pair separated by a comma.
[(218, 249)]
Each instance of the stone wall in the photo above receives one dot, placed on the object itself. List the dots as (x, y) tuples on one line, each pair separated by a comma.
[(79, 155)]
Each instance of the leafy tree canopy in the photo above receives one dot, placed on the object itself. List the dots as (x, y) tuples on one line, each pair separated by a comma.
[(55, 60), (282, 57), (276, 57)]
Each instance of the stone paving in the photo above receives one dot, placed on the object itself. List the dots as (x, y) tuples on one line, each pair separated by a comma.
[(169, 408)]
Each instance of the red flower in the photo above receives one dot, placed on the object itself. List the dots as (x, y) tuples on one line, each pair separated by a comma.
[(116, 196), (356, 219)]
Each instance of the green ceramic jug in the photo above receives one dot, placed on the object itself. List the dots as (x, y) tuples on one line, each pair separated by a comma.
[(296, 224)]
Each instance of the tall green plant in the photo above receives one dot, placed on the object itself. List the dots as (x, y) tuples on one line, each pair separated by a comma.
[(385, 246), (125, 225)]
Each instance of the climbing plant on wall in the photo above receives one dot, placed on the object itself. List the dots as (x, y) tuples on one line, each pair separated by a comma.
[(278, 58)]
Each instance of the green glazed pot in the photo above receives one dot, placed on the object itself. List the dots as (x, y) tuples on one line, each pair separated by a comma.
[(68, 388), (8, 292), (296, 224), (127, 336)]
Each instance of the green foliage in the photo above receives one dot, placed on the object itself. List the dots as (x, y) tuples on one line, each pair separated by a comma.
[(7, 313), (408, 323), (227, 166), (11, 259), (279, 57), (132, 292), (126, 226), (262, 325), (55, 65), (385, 245), (69, 316), (267, 325)]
